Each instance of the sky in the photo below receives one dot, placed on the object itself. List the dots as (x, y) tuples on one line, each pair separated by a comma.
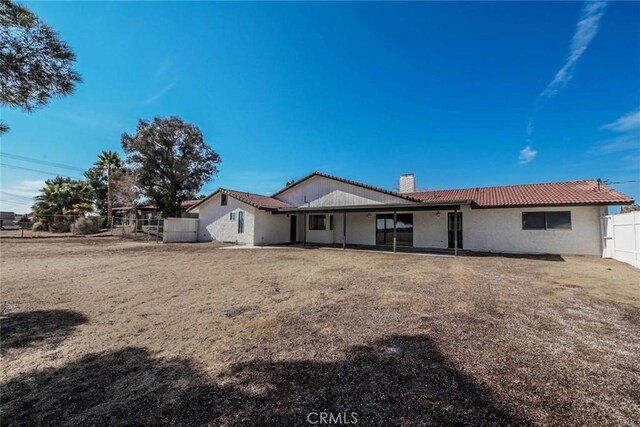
[(460, 94)]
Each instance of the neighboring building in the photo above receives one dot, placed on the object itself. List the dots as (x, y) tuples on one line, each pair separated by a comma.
[(556, 218), (149, 213), (8, 219)]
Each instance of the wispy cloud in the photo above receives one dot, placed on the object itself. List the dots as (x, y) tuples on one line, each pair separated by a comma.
[(527, 155), (628, 129), (628, 122), (624, 142), (586, 29), (165, 66), (154, 98)]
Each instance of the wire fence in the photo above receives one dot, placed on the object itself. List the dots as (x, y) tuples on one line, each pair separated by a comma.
[(139, 229), (148, 229)]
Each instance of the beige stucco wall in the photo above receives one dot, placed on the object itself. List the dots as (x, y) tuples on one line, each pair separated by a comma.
[(215, 224), (321, 191), (497, 230)]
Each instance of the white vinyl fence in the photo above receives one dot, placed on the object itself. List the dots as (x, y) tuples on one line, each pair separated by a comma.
[(180, 230), (622, 237)]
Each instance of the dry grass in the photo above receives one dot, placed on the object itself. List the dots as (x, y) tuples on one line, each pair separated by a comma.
[(103, 331)]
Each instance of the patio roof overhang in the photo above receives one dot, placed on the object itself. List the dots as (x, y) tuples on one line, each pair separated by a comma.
[(398, 207)]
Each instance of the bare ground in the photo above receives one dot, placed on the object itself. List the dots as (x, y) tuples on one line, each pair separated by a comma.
[(106, 331)]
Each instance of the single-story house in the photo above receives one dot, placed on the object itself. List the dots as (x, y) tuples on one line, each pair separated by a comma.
[(553, 218)]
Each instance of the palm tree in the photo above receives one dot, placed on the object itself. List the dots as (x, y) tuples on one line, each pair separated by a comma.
[(109, 162), (60, 197)]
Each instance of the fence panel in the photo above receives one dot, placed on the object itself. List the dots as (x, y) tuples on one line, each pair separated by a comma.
[(622, 237), (180, 230)]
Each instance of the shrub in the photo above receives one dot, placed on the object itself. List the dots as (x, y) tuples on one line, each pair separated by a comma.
[(88, 225), (39, 226), (60, 227)]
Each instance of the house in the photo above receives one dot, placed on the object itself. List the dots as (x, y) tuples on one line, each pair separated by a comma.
[(556, 218)]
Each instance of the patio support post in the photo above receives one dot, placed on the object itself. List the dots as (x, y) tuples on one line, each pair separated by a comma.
[(344, 231), (395, 234), (455, 232), (304, 229)]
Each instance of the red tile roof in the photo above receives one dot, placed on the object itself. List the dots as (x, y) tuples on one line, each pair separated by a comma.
[(584, 192), (347, 181), (257, 200)]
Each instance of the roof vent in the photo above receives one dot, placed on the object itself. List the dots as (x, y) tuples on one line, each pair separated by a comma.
[(407, 183)]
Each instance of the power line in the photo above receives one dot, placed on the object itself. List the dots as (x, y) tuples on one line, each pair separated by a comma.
[(4, 165), (42, 162), (9, 202), (17, 196)]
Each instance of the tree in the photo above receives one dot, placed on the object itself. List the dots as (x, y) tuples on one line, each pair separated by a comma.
[(98, 181), (35, 65), (60, 197), (125, 189), (290, 182), (109, 163), (171, 161)]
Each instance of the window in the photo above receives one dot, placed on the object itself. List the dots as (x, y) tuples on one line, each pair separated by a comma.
[(223, 200), (404, 229), (559, 220), (317, 222), (546, 220), (240, 222), (533, 221), (232, 216), (452, 221), (330, 222)]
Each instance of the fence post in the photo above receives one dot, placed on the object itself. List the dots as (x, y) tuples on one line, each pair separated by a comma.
[(157, 230), (73, 226)]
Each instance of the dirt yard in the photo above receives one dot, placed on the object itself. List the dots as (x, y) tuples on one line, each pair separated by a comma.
[(104, 331)]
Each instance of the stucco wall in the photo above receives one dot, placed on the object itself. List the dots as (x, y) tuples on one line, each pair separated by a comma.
[(501, 230), (321, 191), (498, 230), (271, 229), (215, 223)]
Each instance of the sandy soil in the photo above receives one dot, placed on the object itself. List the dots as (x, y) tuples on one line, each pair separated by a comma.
[(105, 331)]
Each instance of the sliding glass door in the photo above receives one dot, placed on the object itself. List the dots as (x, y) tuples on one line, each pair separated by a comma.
[(404, 229)]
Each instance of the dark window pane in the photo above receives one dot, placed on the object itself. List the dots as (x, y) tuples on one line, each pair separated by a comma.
[(317, 222), (559, 220), (404, 229), (533, 221), (223, 199), (330, 222), (240, 222), (452, 221)]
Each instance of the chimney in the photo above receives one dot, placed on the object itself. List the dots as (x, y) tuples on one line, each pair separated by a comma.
[(407, 183)]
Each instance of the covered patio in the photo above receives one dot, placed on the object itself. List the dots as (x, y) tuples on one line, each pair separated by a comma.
[(348, 226)]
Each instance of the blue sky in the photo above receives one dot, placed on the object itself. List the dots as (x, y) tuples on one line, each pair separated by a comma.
[(461, 94)]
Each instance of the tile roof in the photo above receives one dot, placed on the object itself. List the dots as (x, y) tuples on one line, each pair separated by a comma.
[(583, 192), (257, 200), (347, 181)]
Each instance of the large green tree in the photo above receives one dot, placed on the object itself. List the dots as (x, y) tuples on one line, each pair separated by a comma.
[(35, 65), (110, 165), (171, 161)]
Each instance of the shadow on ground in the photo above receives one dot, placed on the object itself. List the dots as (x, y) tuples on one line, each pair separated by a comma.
[(398, 380), (537, 257), (31, 328)]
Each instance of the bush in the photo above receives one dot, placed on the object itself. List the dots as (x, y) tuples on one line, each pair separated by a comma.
[(39, 226), (88, 225)]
